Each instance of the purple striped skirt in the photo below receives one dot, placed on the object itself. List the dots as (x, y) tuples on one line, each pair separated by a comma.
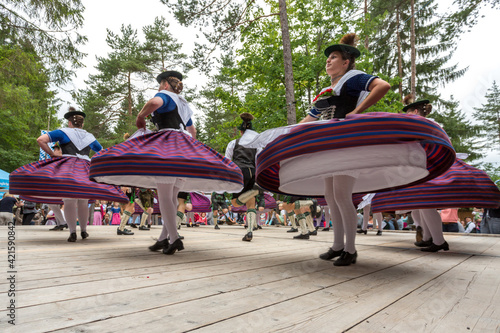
[(201, 203), (164, 157), (381, 150), (61, 177), (461, 186), (270, 203)]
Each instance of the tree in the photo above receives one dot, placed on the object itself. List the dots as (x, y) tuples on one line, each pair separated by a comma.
[(50, 28), (489, 117), (462, 133)]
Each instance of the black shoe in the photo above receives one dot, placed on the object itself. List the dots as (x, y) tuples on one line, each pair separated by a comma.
[(330, 254), (313, 233), (188, 225), (346, 259), (61, 227), (216, 227), (159, 245), (180, 237), (435, 248), (149, 226), (423, 243), (143, 227), (379, 233), (247, 237), (326, 229), (361, 231), (175, 246), (57, 227), (84, 234), (293, 230), (72, 237), (301, 236), (259, 227), (179, 227), (133, 225), (124, 232)]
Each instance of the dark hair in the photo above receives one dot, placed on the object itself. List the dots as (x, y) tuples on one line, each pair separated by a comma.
[(77, 121), (349, 39), (175, 83)]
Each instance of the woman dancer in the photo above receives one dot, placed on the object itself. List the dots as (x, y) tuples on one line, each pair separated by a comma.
[(169, 160), (460, 186), (66, 177), (414, 149)]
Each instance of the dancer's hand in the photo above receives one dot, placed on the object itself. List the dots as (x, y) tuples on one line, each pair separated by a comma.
[(140, 122)]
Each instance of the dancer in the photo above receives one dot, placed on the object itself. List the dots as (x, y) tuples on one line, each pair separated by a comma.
[(365, 205), (169, 160), (127, 210), (414, 149), (145, 199), (245, 160), (460, 186), (66, 177), (218, 203)]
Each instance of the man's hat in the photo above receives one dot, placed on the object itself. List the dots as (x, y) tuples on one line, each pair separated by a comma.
[(410, 104), (342, 48), (166, 74), (73, 112)]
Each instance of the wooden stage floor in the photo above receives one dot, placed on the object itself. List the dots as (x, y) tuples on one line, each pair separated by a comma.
[(111, 283)]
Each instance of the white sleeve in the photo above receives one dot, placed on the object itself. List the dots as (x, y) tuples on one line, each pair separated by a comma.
[(230, 149)]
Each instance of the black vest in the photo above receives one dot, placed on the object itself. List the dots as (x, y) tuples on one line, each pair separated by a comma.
[(169, 119), (70, 149), (244, 157), (344, 103)]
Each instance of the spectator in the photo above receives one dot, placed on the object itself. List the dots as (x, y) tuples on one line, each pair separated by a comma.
[(450, 219), (469, 226), (6, 205), (389, 222), (29, 212)]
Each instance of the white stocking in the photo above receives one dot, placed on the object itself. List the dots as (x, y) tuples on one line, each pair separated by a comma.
[(338, 228), (83, 213), (366, 217), (167, 197), (418, 216), (327, 217), (58, 214), (70, 213), (379, 218), (342, 191), (434, 224)]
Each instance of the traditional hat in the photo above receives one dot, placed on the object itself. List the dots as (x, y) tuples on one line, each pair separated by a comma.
[(247, 121), (72, 112), (166, 74), (410, 104), (347, 44)]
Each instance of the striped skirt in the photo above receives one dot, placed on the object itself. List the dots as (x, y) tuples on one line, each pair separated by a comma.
[(200, 203), (164, 157), (381, 150), (461, 186), (61, 177), (270, 204)]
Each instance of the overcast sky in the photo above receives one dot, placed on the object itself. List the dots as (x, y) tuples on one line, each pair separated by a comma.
[(484, 68)]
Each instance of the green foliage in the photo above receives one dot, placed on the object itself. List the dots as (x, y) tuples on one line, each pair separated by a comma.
[(49, 29), (25, 106), (489, 117)]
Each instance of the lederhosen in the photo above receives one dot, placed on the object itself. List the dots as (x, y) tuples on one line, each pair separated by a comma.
[(244, 158)]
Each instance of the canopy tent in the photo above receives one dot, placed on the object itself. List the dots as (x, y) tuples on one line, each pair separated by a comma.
[(4, 182)]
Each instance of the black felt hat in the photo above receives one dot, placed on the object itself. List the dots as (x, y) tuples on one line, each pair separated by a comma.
[(166, 74), (342, 48), (415, 104), (74, 113)]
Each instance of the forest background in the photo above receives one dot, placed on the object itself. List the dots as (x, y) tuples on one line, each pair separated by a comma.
[(238, 59)]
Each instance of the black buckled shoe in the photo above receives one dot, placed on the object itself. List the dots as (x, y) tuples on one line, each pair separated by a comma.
[(313, 233), (361, 231), (84, 234), (175, 246), (301, 236), (216, 227), (248, 237), (62, 227), (72, 237), (379, 233), (57, 227), (159, 245), (326, 229), (124, 232), (143, 227), (330, 254), (435, 248), (293, 230), (346, 259), (133, 225)]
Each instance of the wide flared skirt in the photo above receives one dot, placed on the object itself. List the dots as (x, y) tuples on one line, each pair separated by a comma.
[(461, 186), (381, 150), (200, 202), (165, 157), (269, 204), (61, 177)]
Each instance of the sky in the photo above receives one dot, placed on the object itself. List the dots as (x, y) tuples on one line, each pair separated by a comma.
[(469, 90)]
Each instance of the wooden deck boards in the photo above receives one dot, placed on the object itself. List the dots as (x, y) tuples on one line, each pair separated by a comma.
[(111, 283)]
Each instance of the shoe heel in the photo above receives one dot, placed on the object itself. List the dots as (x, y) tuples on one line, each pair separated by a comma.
[(446, 247), (353, 261)]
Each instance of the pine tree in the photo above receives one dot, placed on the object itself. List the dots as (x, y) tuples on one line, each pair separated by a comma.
[(489, 117)]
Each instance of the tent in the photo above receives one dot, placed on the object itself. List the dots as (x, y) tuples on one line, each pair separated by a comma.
[(4, 181)]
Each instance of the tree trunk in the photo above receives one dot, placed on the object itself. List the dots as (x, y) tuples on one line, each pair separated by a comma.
[(129, 94), (413, 52), (400, 56), (287, 59), (366, 22)]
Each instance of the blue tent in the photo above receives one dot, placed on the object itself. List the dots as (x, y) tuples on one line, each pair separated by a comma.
[(4, 181)]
